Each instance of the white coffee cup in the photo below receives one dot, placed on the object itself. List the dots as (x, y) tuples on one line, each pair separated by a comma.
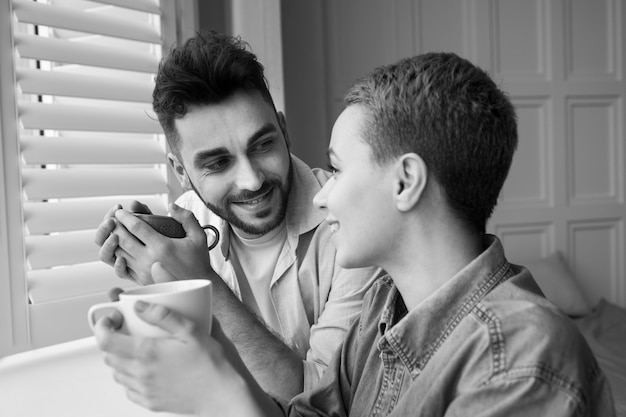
[(189, 298)]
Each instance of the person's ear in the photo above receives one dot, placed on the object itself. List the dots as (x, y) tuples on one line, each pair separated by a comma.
[(282, 122), (179, 171), (410, 181)]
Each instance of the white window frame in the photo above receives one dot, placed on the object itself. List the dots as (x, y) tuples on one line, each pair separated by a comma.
[(178, 23)]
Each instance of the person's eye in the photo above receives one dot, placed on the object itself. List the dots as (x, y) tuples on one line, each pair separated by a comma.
[(217, 166), (263, 146), (332, 169)]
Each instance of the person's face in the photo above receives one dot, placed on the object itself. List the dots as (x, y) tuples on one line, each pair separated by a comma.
[(358, 197), (236, 156)]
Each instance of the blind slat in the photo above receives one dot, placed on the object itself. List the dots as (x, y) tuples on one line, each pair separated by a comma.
[(55, 150), (61, 320), (40, 116), (58, 16), (44, 184), (150, 6), (63, 51), (61, 249), (73, 281), (33, 81), (80, 214)]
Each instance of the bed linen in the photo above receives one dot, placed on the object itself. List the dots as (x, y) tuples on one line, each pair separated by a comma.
[(605, 330)]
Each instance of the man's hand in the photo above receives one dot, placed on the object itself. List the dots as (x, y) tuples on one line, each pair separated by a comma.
[(139, 246), (108, 241)]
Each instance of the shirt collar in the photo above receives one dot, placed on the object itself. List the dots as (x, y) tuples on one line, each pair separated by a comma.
[(302, 216), (417, 334)]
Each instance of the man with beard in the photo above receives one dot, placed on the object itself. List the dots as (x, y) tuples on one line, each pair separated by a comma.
[(278, 293)]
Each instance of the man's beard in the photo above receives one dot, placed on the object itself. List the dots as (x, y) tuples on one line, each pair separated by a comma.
[(225, 212)]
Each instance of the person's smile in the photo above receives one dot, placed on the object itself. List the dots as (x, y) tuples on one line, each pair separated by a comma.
[(257, 202), (333, 224)]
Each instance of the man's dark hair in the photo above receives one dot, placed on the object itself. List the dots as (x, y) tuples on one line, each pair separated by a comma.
[(207, 69), (451, 114)]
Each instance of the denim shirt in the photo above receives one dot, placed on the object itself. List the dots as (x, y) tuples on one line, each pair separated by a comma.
[(487, 343), (316, 301)]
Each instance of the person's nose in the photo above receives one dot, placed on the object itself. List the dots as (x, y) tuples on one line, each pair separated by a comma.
[(319, 200), (249, 175)]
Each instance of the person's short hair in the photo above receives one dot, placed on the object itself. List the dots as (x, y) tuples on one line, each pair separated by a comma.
[(207, 69), (449, 112)]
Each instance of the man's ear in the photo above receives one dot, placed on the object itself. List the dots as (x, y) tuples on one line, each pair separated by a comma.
[(179, 171), (282, 122), (410, 181)]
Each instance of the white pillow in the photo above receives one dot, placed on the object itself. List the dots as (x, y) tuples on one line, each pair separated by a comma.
[(559, 285)]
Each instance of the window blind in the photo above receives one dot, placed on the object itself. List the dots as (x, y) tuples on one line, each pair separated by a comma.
[(87, 140)]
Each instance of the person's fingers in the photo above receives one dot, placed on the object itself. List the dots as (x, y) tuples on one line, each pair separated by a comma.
[(128, 368), (134, 232), (139, 207), (111, 212), (107, 225), (126, 379), (106, 253), (114, 293), (188, 220), (134, 277), (140, 399), (170, 321), (104, 231), (116, 320), (120, 266), (131, 268), (123, 269), (112, 341), (113, 319)]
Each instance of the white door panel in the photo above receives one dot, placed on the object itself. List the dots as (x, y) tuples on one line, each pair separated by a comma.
[(561, 61)]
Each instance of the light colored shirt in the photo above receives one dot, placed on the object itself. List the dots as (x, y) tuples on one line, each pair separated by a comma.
[(487, 343), (254, 261), (315, 299)]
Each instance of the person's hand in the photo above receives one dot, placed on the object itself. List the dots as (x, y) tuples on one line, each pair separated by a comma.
[(139, 246), (108, 241), (191, 371), (114, 293)]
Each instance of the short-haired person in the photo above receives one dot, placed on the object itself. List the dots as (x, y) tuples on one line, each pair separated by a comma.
[(420, 155), (230, 150)]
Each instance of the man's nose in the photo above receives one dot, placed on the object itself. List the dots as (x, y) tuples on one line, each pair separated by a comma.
[(249, 176)]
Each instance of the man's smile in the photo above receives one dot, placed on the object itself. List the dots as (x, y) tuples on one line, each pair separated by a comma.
[(265, 197)]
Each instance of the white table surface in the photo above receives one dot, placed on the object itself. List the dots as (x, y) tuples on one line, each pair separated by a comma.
[(66, 380)]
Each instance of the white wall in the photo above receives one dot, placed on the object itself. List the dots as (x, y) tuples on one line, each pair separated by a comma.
[(562, 62)]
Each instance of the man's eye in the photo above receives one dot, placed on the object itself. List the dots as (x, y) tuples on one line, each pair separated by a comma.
[(217, 165), (332, 169), (263, 146)]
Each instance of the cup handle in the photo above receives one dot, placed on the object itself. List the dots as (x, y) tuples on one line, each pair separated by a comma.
[(91, 314), (216, 235)]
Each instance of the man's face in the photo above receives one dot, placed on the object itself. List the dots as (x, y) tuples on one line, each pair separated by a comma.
[(236, 155)]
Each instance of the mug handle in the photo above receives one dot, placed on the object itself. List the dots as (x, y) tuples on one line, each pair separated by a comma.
[(216, 232), (91, 314)]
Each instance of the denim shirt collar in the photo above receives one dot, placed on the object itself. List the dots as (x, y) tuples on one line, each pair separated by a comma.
[(415, 336)]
